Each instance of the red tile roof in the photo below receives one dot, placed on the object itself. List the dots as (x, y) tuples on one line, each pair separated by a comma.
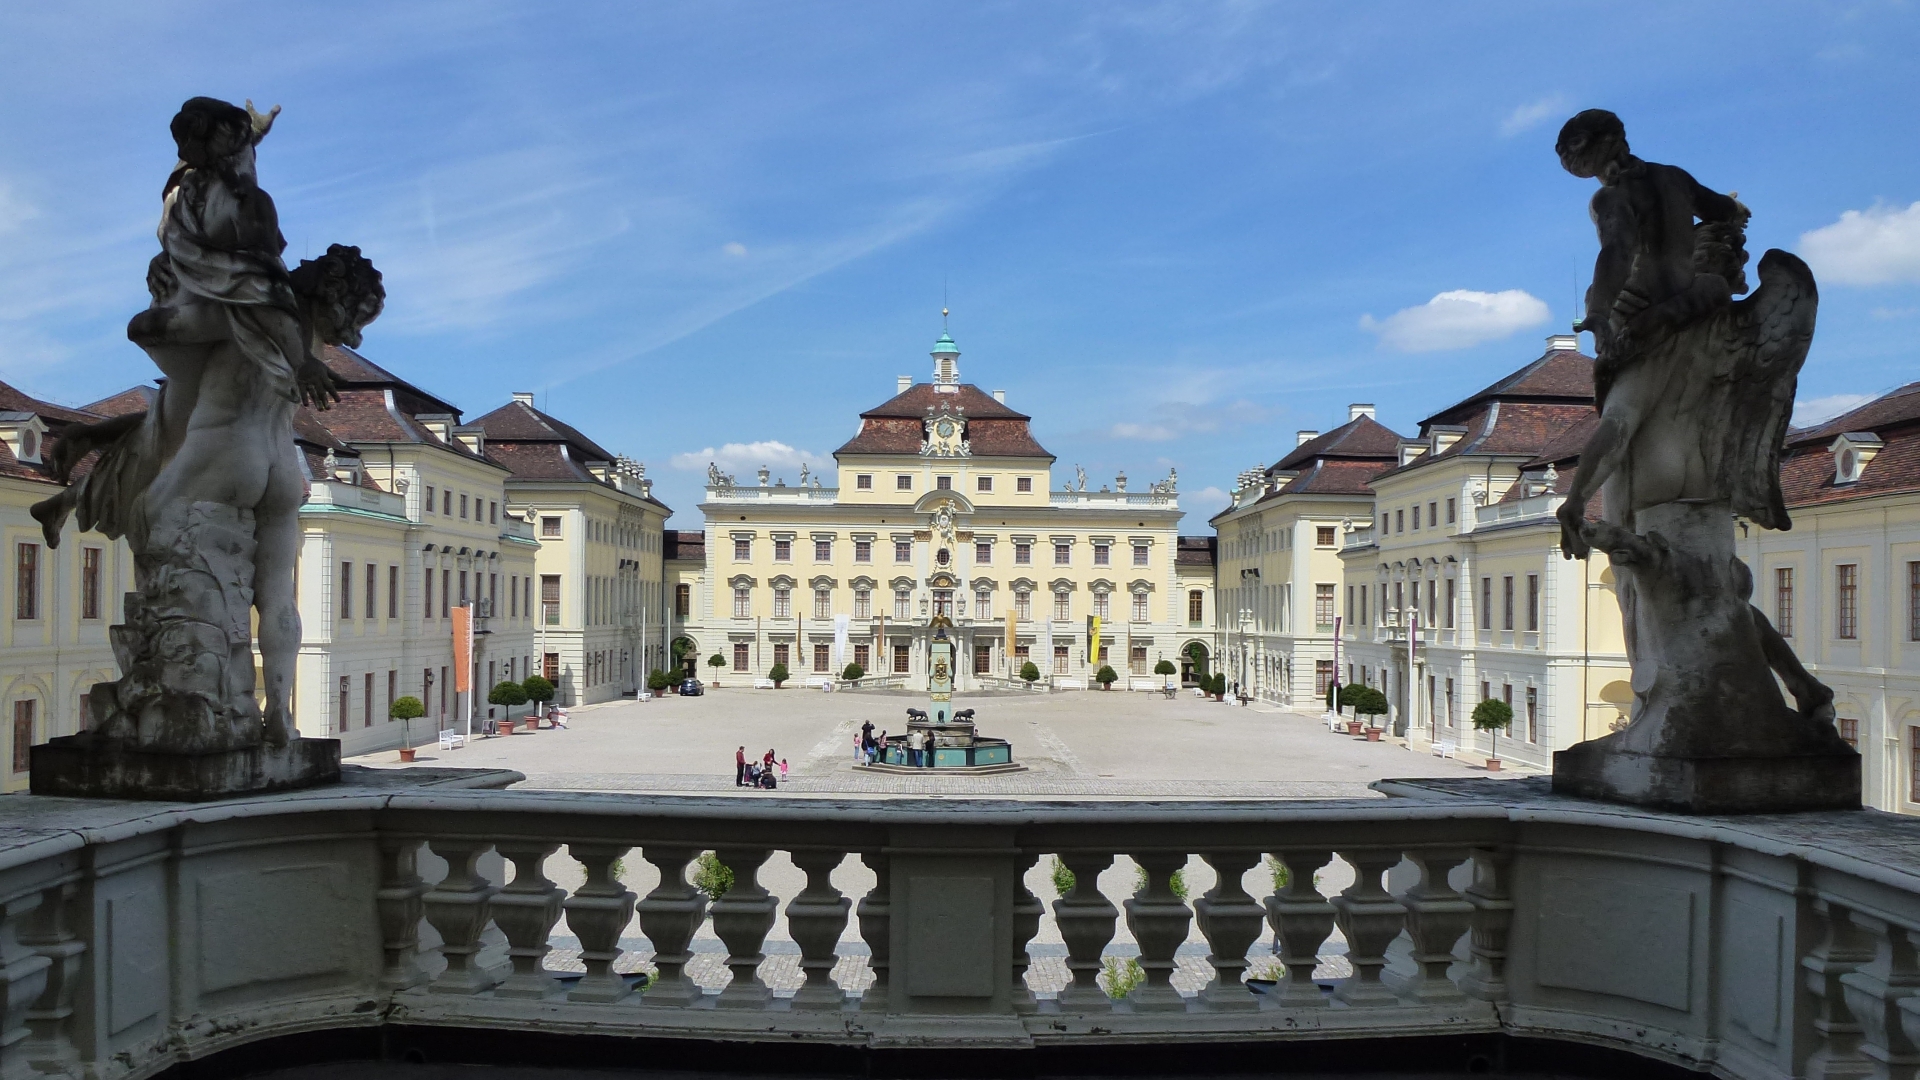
[(684, 544), (1197, 551), (131, 400), (357, 372), (519, 422), (895, 426), (1559, 375), (1892, 409), (1334, 477), (55, 417), (1806, 469), (1361, 437)]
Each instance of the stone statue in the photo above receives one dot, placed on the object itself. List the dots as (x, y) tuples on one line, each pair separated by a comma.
[(803, 474), (716, 478), (1694, 391), (206, 487), (1080, 478)]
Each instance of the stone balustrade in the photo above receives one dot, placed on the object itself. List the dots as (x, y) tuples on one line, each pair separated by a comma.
[(136, 936)]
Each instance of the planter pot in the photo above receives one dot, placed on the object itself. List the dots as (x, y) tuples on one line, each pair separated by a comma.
[(406, 753), (1493, 764), (1373, 734), (1354, 727), (506, 727)]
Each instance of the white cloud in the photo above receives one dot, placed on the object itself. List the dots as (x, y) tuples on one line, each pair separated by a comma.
[(736, 249), (1526, 117), (1203, 504), (1894, 312), (1171, 420), (743, 459), (15, 211), (1875, 246), (1820, 410), (1456, 319)]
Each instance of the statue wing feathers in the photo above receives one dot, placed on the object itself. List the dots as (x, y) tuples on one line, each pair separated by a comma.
[(1769, 334)]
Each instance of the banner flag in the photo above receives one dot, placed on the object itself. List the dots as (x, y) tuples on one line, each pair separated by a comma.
[(1013, 642), (462, 649), (1093, 641), (1046, 646), (841, 624)]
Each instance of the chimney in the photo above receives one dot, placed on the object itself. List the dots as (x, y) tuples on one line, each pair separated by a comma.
[(1358, 410), (1302, 438), (523, 397), (902, 384), (1000, 396), (1563, 342)]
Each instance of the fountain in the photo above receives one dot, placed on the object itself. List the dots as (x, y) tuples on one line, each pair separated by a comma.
[(951, 742)]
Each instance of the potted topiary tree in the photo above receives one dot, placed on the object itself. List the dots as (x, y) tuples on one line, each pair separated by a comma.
[(1373, 703), (1349, 695), (1493, 715), (404, 709), (1218, 687), (509, 694), (1029, 673), (779, 675), (716, 662), (853, 673), (1106, 677), (1166, 670), (539, 691), (658, 681)]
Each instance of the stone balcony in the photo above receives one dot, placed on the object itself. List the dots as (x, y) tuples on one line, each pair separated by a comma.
[(417, 905)]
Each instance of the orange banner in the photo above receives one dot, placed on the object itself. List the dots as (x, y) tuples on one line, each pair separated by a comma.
[(462, 649)]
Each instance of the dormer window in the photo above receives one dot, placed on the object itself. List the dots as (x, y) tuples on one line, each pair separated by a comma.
[(1852, 453), (24, 435)]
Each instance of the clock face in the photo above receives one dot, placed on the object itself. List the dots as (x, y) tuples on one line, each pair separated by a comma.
[(945, 428)]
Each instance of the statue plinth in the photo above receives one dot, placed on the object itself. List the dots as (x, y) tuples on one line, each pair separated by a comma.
[(94, 767), (1711, 732)]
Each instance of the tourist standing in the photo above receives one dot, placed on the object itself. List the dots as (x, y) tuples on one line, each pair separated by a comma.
[(740, 767)]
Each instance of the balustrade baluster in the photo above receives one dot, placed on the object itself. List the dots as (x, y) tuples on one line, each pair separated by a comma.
[(1230, 921), (816, 918), (1086, 919), (1159, 921), (1028, 911), (1491, 895), (1874, 992), (49, 1047), (669, 916), (1302, 919), (1370, 918), (458, 908), (399, 907), (1436, 917), (597, 912), (876, 929), (526, 911), (1842, 949), (23, 976), (741, 918)]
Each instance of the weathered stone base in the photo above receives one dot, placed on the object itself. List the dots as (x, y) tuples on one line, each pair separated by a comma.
[(1709, 785), (85, 767)]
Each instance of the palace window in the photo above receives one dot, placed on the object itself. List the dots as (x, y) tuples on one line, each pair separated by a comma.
[(1913, 601), (1023, 554), (1533, 601), (902, 659), (782, 603), (823, 551), (428, 576), (550, 526), (1783, 600), (429, 499), (982, 659), (1140, 554), (1433, 518), (346, 591), (90, 583), (742, 549), (1023, 605), (373, 592), (1062, 554), (903, 551), (1533, 714), (863, 551), (902, 604), (863, 481), (982, 604), (1196, 606), (944, 483), (1451, 504), (1506, 602), (863, 605), (943, 602), (983, 553), (1486, 603), (23, 739), (1416, 517), (1323, 536), (1323, 607), (1137, 660), (1399, 521), (862, 655), (780, 654), (903, 482), (1139, 607), (1849, 730), (823, 603), (682, 600), (742, 656), (549, 598), (1446, 613), (1023, 485), (1846, 595), (1062, 610), (783, 551), (1100, 606), (822, 657), (1102, 555), (984, 483), (393, 592), (1060, 659)]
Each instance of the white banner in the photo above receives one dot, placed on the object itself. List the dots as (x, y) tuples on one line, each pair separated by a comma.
[(839, 644), (1046, 647)]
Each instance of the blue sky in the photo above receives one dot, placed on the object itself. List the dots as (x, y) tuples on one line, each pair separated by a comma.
[(1173, 232)]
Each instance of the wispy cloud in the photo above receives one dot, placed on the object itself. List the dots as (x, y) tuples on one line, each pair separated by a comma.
[(1203, 504), (1886, 313), (1457, 319), (1875, 246), (743, 459), (1822, 409), (1170, 420), (1533, 114)]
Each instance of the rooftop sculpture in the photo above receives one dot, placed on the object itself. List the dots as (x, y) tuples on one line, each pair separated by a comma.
[(1694, 390), (206, 487)]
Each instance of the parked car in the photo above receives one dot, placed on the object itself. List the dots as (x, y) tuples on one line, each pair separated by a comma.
[(690, 687)]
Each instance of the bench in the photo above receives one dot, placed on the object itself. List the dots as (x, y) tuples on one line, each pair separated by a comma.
[(451, 738), (1444, 749), (763, 684)]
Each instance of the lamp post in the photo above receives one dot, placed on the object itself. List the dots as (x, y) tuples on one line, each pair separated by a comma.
[(1246, 621)]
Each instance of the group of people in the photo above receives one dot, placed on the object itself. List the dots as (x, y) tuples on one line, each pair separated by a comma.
[(765, 773), (869, 748)]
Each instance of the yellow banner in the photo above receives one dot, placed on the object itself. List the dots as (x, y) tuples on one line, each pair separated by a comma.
[(1013, 641), (462, 649), (1093, 643)]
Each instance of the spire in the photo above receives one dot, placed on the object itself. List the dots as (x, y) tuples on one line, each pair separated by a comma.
[(946, 360)]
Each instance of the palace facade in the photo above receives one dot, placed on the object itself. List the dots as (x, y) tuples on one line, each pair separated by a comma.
[(943, 506)]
